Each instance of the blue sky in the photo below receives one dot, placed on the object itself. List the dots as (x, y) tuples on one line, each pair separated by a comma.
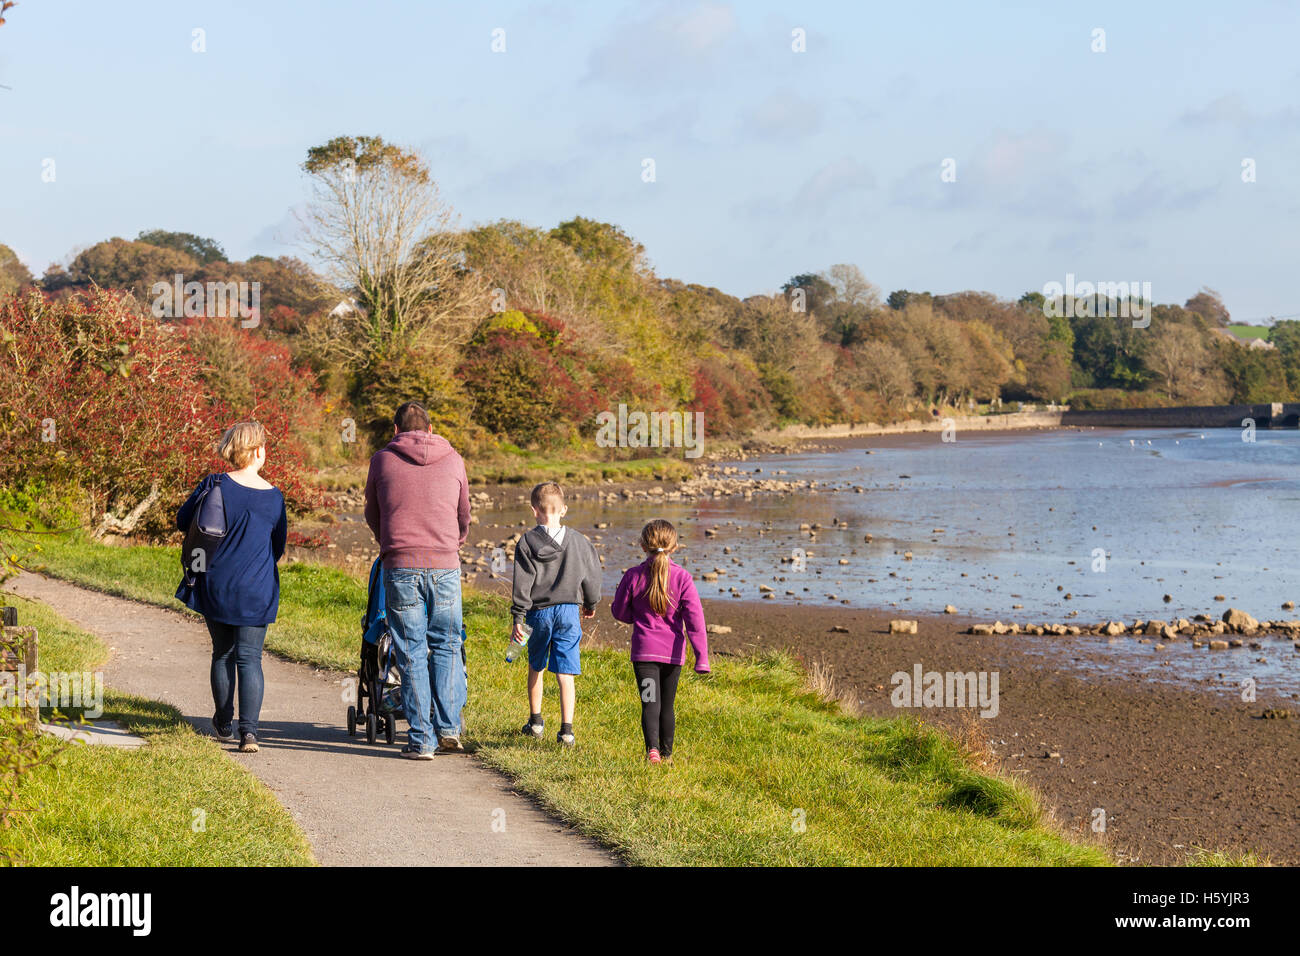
[(1122, 165)]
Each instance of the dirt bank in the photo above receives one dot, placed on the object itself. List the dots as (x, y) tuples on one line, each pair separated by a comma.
[(1172, 767)]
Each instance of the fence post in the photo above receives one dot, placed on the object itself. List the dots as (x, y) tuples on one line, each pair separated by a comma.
[(18, 648)]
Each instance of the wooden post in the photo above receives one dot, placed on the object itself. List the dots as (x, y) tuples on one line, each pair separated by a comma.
[(18, 657)]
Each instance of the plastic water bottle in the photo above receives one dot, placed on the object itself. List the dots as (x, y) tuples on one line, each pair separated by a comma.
[(512, 651)]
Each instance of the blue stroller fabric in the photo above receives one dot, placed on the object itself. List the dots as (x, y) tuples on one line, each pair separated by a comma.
[(373, 622)]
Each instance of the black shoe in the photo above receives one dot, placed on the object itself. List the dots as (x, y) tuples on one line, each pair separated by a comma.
[(563, 739), (248, 744), (223, 732), (531, 729), (414, 753)]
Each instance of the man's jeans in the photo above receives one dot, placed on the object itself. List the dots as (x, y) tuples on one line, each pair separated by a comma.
[(424, 615)]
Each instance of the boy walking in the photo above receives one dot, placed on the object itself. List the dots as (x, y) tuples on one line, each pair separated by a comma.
[(556, 570)]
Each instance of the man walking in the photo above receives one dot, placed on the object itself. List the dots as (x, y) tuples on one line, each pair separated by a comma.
[(417, 505)]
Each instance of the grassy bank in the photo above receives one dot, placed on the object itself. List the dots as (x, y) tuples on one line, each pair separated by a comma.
[(766, 771), (179, 801)]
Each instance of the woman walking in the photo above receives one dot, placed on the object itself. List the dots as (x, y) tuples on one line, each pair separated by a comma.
[(237, 588)]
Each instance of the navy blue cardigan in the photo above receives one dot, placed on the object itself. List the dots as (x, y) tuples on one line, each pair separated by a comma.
[(242, 583)]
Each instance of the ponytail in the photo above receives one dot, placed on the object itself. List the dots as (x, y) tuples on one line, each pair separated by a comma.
[(659, 540), (657, 591)]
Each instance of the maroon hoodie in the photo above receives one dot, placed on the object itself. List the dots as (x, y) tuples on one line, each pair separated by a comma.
[(417, 502)]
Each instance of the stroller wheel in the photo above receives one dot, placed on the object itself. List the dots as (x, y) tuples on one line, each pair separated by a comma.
[(372, 728), (352, 721), (390, 728)]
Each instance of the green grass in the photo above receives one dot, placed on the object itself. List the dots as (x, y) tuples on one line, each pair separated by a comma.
[(178, 801), (1249, 331), (766, 772)]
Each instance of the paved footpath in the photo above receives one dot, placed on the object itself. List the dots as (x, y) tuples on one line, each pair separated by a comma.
[(358, 804)]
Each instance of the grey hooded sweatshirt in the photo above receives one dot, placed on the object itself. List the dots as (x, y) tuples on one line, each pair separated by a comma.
[(547, 573)]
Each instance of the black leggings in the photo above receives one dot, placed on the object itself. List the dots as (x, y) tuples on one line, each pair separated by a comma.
[(657, 684)]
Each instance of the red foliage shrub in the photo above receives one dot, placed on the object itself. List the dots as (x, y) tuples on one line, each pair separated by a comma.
[(298, 539), (527, 383), (97, 394), (252, 378), (731, 396)]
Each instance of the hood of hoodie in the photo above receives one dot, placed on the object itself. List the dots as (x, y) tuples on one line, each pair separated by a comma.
[(420, 448), (544, 547)]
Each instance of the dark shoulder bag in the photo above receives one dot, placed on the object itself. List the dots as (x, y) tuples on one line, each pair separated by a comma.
[(207, 531)]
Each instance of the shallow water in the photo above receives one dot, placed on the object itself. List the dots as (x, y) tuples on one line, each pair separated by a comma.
[(1024, 518)]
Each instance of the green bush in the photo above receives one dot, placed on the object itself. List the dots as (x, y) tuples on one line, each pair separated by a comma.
[(410, 376)]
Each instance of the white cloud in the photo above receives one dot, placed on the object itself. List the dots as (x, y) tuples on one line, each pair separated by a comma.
[(667, 46), (783, 116), (834, 182)]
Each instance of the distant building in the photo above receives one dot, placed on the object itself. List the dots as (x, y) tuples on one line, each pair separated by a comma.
[(347, 307)]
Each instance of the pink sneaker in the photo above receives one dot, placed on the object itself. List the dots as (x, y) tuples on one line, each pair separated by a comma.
[(652, 756)]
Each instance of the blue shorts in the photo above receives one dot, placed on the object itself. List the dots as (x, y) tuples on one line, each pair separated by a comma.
[(554, 642)]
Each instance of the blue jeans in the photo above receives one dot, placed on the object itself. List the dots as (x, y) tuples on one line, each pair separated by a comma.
[(424, 615), (237, 651)]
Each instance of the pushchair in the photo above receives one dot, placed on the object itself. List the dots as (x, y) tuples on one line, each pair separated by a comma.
[(379, 683)]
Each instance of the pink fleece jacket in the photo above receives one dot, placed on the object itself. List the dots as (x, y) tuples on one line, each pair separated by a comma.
[(417, 502), (654, 636)]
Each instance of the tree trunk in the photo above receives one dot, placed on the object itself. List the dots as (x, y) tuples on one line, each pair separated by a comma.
[(126, 525)]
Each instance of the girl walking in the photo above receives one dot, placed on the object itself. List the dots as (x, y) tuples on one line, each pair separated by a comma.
[(658, 598)]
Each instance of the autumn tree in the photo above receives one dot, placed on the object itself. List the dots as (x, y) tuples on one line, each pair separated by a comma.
[(378, 224), (533, 270), (13, 274), (1209, 305), (201, 249), (1176, 355), (883, 369), (133, 266)]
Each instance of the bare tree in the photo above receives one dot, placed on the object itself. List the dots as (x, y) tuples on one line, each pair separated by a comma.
[(378, 225), (883, 369), (1177, 355), (852, 287)]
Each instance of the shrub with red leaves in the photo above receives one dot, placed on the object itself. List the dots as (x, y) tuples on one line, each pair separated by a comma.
[(521, 375), (99, 395), (731, 396), (299, 539), (251, 378)]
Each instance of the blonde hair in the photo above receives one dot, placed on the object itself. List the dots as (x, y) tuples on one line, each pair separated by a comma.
[(240, 441), (658, 539), (547, 497)]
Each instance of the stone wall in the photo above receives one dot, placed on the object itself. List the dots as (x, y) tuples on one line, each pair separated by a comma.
[(1275, 415)]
